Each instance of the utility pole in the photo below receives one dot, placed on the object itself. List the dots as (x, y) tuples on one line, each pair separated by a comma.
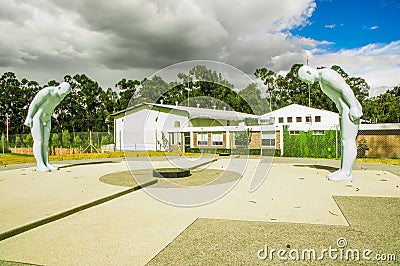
[(2, 144), (308, 87), (7, 124)]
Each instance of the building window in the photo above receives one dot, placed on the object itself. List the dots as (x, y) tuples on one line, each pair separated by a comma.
[(289, 119), (308, 119), (268, 121), (294, 132), (298, 119), (268, 142), (177, 124), (317, 118), (268, 138), (318, 132), (202, 139), (280, 120), (228, 123), (217, 139)]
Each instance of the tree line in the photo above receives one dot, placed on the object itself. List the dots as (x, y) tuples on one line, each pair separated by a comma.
[(88, 105)]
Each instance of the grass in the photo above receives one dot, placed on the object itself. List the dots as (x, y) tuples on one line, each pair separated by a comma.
[(379, 160), (15, 158)]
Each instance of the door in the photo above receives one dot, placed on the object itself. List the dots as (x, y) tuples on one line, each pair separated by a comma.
[(187, 140)]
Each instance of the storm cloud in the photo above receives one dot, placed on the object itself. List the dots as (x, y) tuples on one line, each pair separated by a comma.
[(109, 40)]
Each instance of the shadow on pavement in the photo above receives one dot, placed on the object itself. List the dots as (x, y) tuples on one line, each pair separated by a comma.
[(319, 167), (86, 163)]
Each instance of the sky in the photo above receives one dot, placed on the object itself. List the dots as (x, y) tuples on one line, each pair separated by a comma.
[(107, 40)]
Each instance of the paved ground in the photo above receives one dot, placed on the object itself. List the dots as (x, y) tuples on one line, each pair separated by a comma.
[(134, 228)]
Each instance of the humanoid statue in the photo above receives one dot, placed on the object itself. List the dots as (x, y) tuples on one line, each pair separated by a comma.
[(350, 111), (39, 120)]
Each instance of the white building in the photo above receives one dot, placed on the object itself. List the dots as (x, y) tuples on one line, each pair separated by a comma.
[(299, 117), (298, 114), (150, 126)]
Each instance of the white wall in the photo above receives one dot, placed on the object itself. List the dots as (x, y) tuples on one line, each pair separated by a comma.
[(294, 111), (142, 130)]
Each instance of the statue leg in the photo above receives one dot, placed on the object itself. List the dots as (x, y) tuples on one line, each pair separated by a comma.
[(46, 131), (349, 131), (38, 141)]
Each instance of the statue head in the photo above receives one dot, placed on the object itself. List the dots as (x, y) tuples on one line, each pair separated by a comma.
[(308, 74), (63, 89)]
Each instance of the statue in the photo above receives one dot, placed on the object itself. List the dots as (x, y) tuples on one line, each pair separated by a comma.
[(350, 111), (39, 120)]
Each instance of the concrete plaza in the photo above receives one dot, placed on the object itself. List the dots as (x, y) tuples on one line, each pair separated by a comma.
[(132, 229)]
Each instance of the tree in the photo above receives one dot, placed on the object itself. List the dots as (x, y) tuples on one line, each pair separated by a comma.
[(207, 88), (154, 89), (55, 142), (83, 109), (18, 142), (28, 140), (395, 91), (15, 99), (270, 79), (252, 95), (66, 139), (77, 141), (104, 140), (383, 108), (128, 92)]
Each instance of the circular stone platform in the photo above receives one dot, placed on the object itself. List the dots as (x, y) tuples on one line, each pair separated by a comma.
[(197, 178), (171, 173)]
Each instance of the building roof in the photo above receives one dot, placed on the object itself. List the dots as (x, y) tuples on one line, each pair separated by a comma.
[(296, 109), (190, 112), (225, 128)]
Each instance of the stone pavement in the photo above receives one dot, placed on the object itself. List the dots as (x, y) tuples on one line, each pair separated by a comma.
[(132, 229)]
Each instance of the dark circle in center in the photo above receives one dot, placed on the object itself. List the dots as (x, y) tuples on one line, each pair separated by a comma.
[(171, 172)]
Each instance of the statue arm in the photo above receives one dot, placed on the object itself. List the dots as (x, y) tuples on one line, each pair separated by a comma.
[(40, 97), (337, 83)]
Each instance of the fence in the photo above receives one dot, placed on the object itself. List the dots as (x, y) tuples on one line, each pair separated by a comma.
[(62, 143), (379, 143), (373, 141), (312, 143)]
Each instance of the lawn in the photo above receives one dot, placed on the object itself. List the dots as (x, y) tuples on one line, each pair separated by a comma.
[(15, 158)]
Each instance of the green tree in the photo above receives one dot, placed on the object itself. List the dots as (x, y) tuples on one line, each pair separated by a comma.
[(383, 108), (82, 109), (18, 141), (15, 97), (252, 95), (77, 142), (154, 89), (28, 140), (128, 93), (66, 139), (207, 88), (104, 140), (55, 141), (270, 80)]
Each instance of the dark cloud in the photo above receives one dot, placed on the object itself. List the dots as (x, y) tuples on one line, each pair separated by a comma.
[(122, 35)]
